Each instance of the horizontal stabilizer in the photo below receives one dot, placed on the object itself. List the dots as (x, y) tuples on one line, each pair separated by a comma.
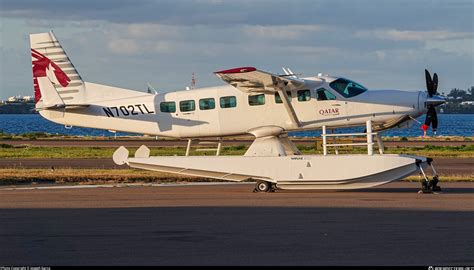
[(50, 96), (63, 106)]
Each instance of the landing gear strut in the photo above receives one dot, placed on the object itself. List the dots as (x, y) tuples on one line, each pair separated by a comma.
[(264, 186), (429, 186)]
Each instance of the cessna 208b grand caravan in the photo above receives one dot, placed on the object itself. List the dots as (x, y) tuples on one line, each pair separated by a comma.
[(255, 102)]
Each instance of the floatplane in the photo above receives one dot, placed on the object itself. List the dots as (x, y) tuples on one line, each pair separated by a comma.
[(254, 102)]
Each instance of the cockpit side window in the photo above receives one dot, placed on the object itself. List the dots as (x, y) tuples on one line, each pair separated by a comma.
[(324, 94), (347, 88)]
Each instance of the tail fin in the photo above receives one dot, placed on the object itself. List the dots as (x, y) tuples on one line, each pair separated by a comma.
[(55, 79)]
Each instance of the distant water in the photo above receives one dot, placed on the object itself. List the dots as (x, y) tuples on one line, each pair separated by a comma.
[(449, 125)]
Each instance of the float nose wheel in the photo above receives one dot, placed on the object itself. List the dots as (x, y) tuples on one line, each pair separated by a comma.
[(434, 184), (263, 186), (429, 186)]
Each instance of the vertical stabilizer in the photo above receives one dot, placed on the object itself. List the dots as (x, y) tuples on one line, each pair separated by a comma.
[(54, 71)]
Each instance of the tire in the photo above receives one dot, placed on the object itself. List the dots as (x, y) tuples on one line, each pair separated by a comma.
[(262, 186)]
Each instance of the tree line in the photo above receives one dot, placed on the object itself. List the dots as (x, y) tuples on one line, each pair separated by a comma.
[(458, 101)]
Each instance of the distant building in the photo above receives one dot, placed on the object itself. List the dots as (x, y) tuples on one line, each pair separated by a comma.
[(18, 105), (20, 99)]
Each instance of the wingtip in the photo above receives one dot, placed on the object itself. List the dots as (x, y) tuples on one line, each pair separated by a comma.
[(236, 70)]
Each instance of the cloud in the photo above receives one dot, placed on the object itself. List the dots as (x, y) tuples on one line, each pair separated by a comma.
[(399, 35), (133, 47), (148, 39), (280, 32), (458, 46), (152, 30), (167, 40), (124, 46), (400, 56), (306, 50), (356, 14), (381, 55)]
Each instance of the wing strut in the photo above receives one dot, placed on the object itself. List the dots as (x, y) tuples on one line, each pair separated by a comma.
[(281, 87)]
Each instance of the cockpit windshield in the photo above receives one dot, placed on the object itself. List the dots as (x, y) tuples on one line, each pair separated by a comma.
[(347, 88)]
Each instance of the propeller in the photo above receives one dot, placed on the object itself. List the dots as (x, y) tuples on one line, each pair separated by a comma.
[(432, 87), (431, 84)]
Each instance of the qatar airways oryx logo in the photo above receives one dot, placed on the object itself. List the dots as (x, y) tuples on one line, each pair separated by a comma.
[(44, 67), (329, 111)]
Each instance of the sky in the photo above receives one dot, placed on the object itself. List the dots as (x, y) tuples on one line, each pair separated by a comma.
[(382, 44)]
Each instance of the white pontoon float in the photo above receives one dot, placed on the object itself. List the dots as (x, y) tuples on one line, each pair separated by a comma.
[(276, 163)]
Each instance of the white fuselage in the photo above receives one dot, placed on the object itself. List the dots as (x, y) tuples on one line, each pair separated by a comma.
[(137, 112)]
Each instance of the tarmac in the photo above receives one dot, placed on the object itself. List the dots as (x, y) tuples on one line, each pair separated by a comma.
[(227, 224)]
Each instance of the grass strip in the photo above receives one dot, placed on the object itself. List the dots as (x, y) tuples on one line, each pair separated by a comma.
[(28, 151)]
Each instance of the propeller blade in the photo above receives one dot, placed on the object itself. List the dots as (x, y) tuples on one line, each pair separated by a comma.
[(428, 119), (431, 117), (435, 121), (429, 82), (435, 84)]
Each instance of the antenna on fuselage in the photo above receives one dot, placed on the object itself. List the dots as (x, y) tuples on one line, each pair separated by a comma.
[(289, 72), (151, 90), (193, 81)]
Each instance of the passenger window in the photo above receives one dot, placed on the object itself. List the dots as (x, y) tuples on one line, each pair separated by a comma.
[(278, 98), (256, 100), (187, 106), (168, 107), (207, 104), (304, 95), (324, 94), (228, 102)]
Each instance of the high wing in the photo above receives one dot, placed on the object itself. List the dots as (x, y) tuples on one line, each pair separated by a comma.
[(252, 80)]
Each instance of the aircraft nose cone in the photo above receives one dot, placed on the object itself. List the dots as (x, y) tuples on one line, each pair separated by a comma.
[(435, 100)]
